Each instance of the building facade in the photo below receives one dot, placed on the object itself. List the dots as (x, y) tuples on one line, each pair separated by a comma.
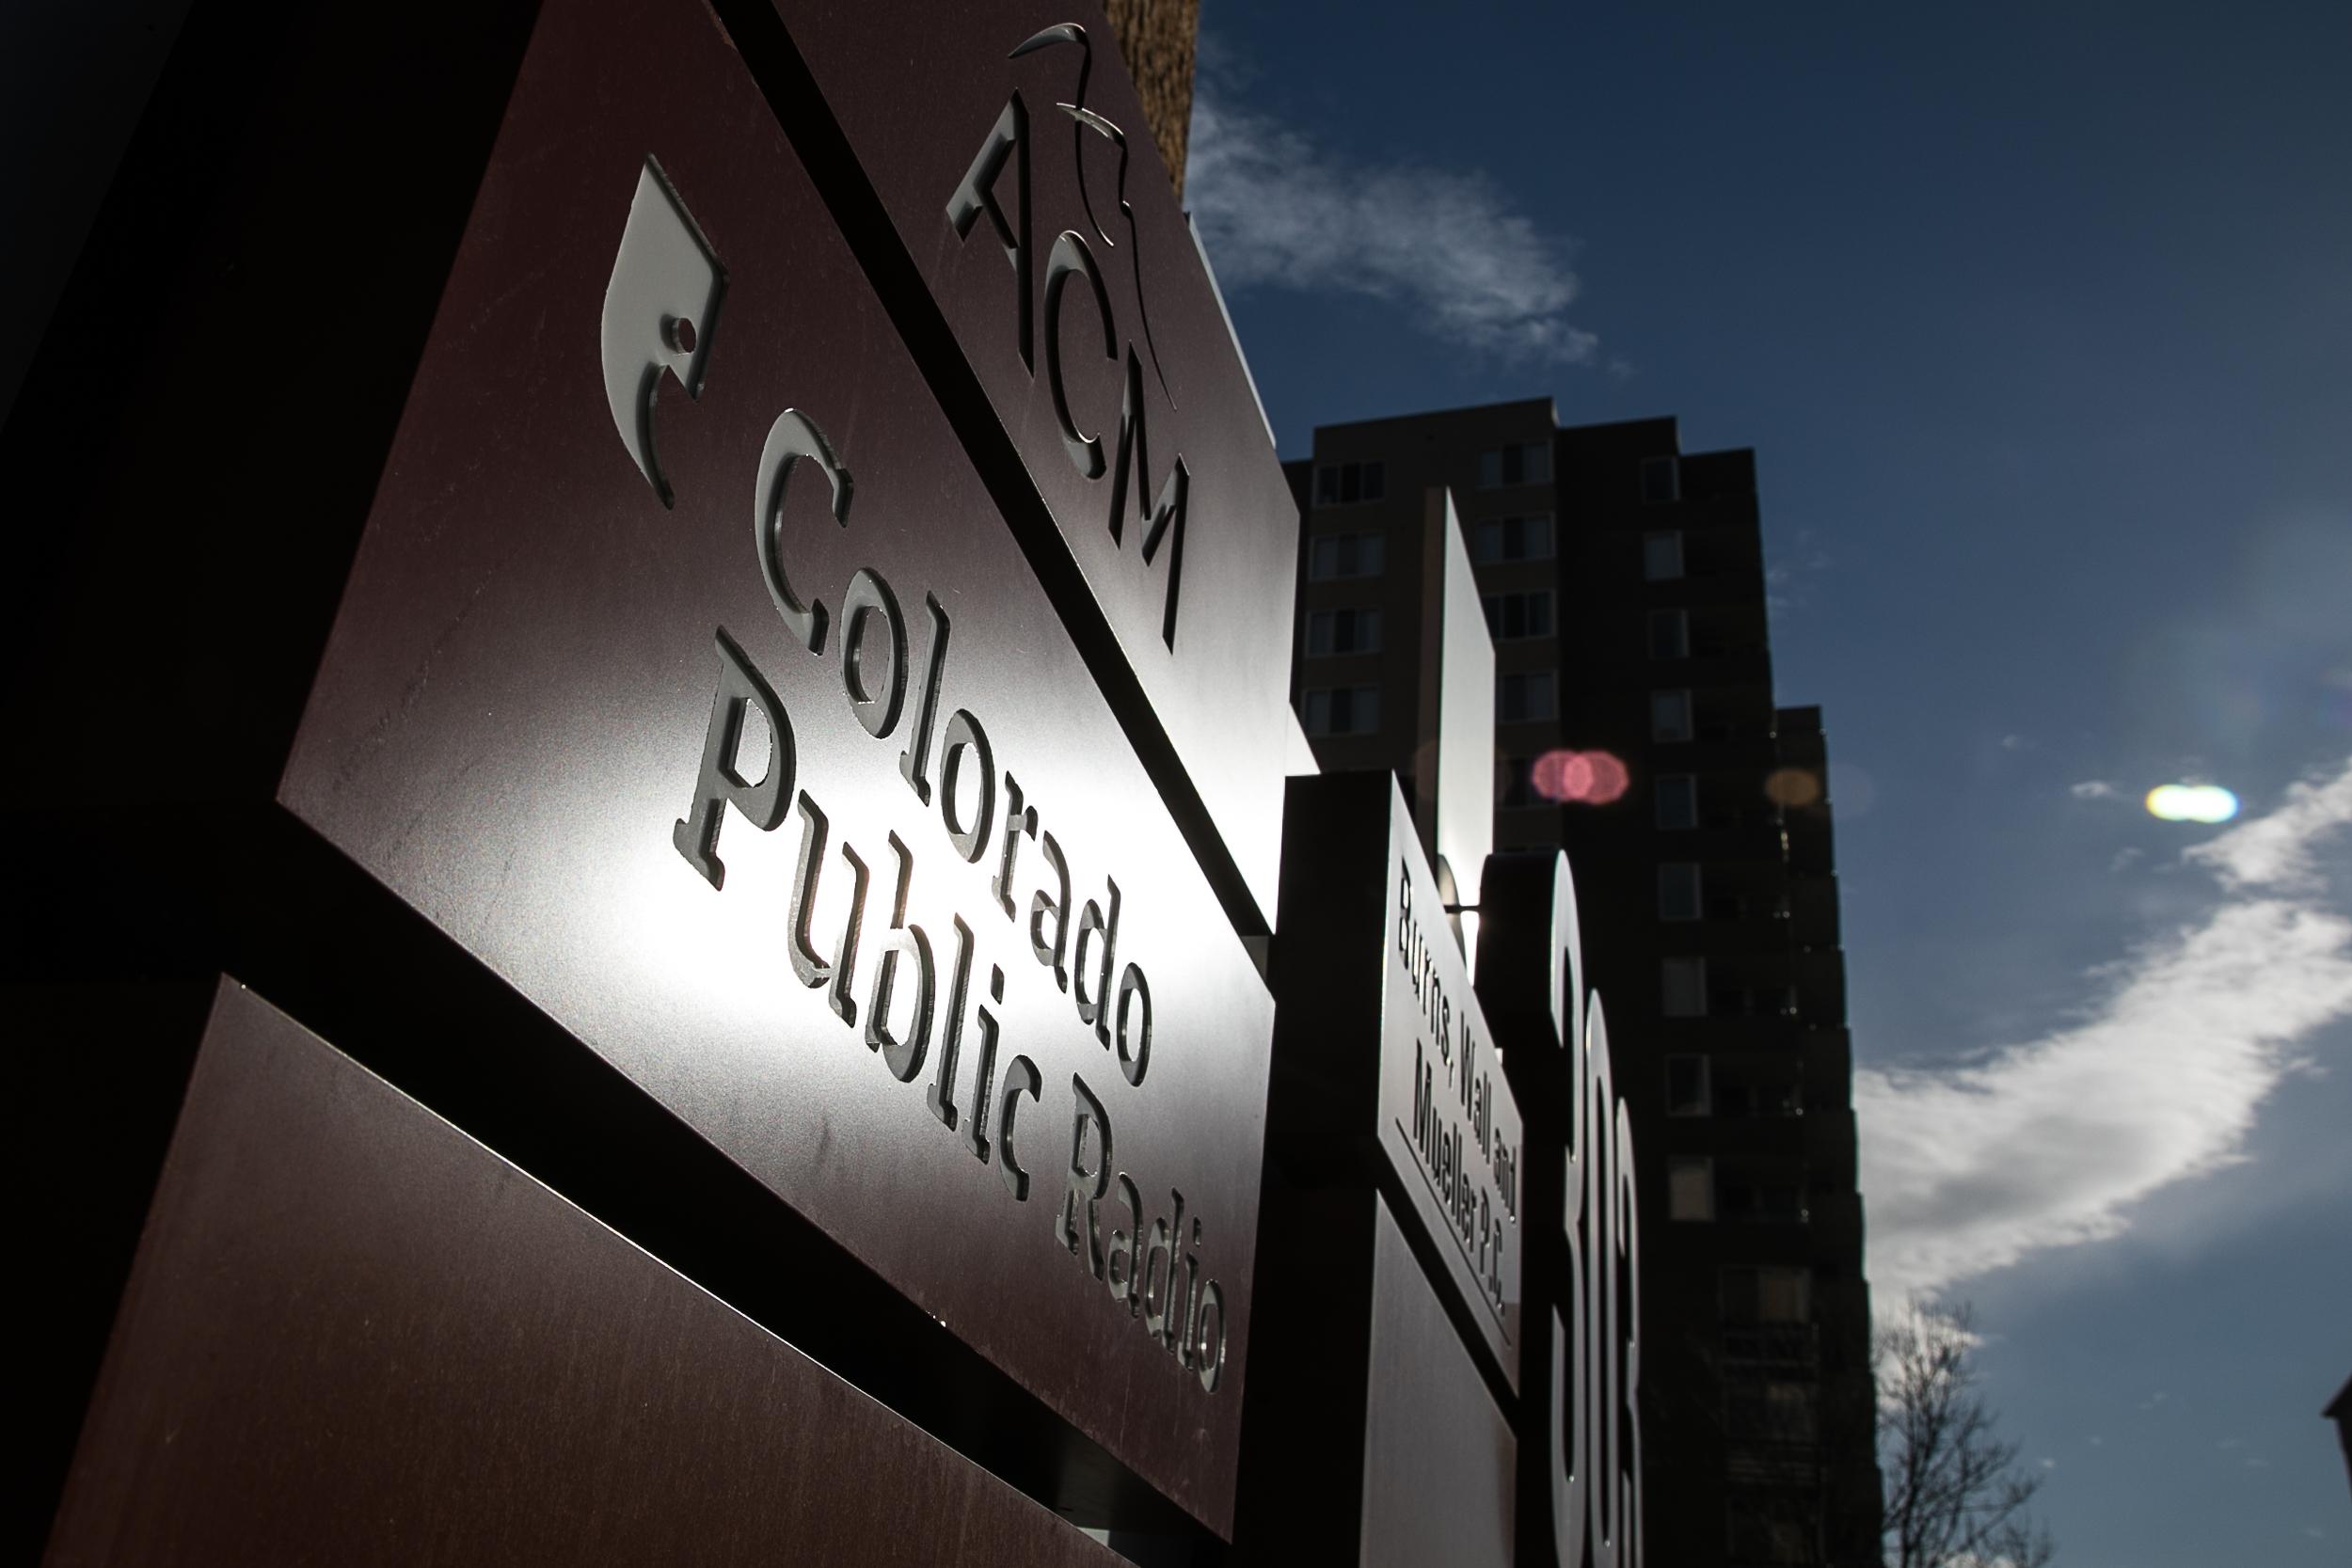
[(1635, 725)]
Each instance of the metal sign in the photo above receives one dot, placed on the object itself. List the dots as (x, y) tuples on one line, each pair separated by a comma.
[(354, 1334), (1385, 1054), (1447, 1122), (1439, 1457), (1580, 1475), (689, 678), (1019, 182)]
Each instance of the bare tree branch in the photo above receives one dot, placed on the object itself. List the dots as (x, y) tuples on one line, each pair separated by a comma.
[(1956, 1495)]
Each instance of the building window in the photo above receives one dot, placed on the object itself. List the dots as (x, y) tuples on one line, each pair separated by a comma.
[(1342, 631), (1676, 800), (1689, 1187), (1661, 555), (1527, 538), (1661, 481), (1759, 1086), (1513, 616), (1686, 1086), (1521, 462), (1344, 555), (1670, 715), (1342, 710), (1683, 988), (1767, 1296), (1669, 634), (1678, 891), (1764, 1195), (1346, 483), (1524, 694), (1769, 1412)]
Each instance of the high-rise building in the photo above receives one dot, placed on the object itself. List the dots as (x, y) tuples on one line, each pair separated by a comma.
[(1636, 726)]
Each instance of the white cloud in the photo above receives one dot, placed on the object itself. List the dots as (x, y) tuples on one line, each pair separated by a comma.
[(2278, 850), (1278, 210), (2093, 789), (2048, 1143), (1790, 587)]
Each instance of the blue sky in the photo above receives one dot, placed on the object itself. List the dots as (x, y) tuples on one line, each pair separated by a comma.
[(2039, 321)]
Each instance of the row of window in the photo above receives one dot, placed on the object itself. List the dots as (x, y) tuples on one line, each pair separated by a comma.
[(1513, 617), (1358, 630), (1766, 1295), (1684, 992), (1502, 539), (1736, 1088), (1699, 1190), (1533, 536), (1342, 710), (1337, 556), (1342, 631), (1681, 896), (1519, 462), (1520, 696), (1346, 483)]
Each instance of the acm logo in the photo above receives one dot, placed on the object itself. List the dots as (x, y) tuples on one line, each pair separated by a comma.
[(1071, 259)]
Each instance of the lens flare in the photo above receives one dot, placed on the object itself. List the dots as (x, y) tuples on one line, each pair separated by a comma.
[(1792, 786), (1582, 778), (2182, 802)]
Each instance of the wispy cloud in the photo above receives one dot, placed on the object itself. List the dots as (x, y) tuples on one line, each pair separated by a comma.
[(2094, 789), (1278, 210), (2050, 1142), (1788, 585)]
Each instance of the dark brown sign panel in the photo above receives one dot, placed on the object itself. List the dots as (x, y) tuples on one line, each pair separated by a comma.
[(353, 1335), (687, 677), (1006, 145)]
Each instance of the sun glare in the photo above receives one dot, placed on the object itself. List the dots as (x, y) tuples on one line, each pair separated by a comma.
[(2182, 802)]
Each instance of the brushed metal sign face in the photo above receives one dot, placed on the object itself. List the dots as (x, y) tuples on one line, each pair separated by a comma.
[(1011, 155), (353, 1335), (689, 678), (1449, 1123), (1439, 1459)]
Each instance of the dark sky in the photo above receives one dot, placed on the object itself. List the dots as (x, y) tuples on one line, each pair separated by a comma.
[(2039, 321)]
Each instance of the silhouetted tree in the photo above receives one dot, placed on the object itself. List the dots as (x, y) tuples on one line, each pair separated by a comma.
[(1956, 1495)]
